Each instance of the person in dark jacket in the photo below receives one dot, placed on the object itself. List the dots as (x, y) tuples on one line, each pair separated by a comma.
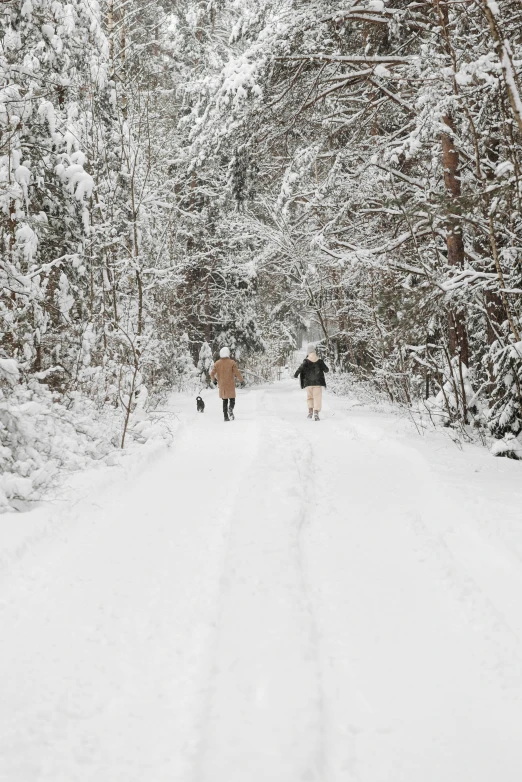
[(311, 373)]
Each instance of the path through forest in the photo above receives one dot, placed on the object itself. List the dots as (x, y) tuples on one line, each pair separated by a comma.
[(273, 599)]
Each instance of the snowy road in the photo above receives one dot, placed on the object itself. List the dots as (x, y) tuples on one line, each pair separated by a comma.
[(273, 600)]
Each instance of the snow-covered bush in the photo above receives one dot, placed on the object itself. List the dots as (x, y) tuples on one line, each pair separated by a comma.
[(456, 399), (44, 433), (347, 384), (187, 375), (509, 446), (41, 435), (505, 414), (205, 362)]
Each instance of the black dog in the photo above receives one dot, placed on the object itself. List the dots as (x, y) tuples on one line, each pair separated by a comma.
[(200, 404)]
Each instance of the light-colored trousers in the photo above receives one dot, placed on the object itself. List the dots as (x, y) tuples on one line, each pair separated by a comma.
[(314, 397)]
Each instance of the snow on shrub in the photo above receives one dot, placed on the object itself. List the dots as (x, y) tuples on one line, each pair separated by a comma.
[(40, 436), (509, 446), (455, 396), (9, 370), (187, 375), (503, 417), (363, 391), (205, 363), (43, 433)]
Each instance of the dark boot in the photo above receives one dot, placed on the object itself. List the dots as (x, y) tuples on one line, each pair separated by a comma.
[(225, 409), (231, 405), (310, 413), (316, 415)]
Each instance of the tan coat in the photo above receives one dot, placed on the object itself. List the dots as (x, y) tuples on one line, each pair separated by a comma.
[(226, 371)]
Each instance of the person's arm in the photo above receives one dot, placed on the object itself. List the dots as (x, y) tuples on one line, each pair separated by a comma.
[(213, 372), (324, 367), (298, 371), (237, 373)]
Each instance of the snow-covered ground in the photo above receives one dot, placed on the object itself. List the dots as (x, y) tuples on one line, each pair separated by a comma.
[(270, 600)]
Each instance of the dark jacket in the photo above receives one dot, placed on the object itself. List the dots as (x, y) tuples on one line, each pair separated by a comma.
[(311, 373)]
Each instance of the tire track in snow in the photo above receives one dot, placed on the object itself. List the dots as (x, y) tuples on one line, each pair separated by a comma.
[(343, 697), (203, 729), (121, 605), (383, 610), (265, 717), (306, 473)]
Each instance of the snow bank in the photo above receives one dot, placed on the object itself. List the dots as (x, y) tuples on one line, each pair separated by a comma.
[(429, 413)]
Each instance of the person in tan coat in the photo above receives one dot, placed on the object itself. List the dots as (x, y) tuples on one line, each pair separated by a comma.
[(225, 372)]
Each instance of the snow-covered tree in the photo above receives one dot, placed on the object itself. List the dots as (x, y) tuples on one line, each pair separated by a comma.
[(205, 363), (186, 373), (46, 59)]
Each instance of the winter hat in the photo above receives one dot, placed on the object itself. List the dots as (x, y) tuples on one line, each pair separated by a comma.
[(310, 348), (224, 353)]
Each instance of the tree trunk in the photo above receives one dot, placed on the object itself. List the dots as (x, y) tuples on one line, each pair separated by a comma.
[(458, 339)]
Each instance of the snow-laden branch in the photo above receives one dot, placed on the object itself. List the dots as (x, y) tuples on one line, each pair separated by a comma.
[(353, 59), (505, 55)]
